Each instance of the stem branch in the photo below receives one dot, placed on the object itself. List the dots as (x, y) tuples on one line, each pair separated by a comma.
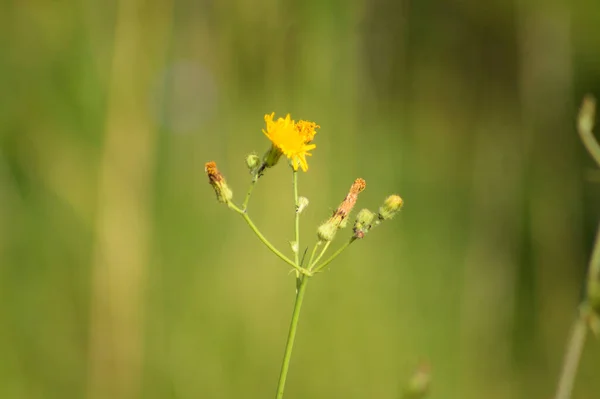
[(266, 242), (335, 255)]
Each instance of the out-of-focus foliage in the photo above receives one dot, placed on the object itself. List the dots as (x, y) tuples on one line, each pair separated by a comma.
[(122, 277)]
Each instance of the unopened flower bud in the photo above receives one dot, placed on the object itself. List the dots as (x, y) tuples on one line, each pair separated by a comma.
[(302, 204), (326, 231), (252, 161), (217, 181), (271, 157), (363, 222), (390, 207)]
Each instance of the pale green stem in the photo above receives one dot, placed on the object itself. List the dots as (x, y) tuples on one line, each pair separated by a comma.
[(297, 219), (314, 251), (594, 269), (266, 242), (311, 265), (571, 361), (585, 125), (580, 327), (335, 255), (291, 336), (249, 193)]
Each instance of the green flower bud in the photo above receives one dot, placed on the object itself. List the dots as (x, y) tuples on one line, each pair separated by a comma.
[(326, 231), (390, 207), (363, 222), (252, 161)]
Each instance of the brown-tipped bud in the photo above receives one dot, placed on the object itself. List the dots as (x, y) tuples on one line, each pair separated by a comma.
[(363, 222), (390, 207), (348, 203), (302, 204), (587, 114), (419, 383), (252, 162), (327, 230), (217, 181)]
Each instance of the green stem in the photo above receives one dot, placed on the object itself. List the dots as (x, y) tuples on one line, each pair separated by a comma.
[(571, 361), (335, 255), (585, 125), (312, 264), (593, 283), (266, 242), (249, 193), (291, 336), (314, 251), (297, 218)]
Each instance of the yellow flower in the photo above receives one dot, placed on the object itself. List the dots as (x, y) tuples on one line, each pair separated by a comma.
[(291, 139), (307, 130)]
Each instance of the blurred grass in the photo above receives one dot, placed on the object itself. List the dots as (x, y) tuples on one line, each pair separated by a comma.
[(465, 110)]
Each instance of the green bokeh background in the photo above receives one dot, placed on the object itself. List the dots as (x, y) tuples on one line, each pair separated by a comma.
[(122, 277)]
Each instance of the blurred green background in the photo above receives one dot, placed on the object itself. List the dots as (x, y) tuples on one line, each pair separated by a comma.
[(122, 277)]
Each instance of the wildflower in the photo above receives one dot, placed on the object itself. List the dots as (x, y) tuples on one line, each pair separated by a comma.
[(326, 232), (216, 179), (391, 205), (290, 139)]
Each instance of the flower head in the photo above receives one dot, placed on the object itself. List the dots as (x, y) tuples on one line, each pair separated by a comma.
[(390, 207), (291, 139)]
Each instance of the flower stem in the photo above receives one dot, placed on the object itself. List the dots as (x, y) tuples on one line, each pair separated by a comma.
[(297, 218), (312, 264), (314, 251), (335, 255), (249, 193), (291, 336), (571, 361), (585, 124), (266, 242)]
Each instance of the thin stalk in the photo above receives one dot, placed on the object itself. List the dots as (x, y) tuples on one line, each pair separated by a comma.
[(576, 343), (572, 357), (266, 242), (249, 192), (291, 336), (311, 265), (335, 255), (594, 271), (297, 218), (585, 123), (314, 251)]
